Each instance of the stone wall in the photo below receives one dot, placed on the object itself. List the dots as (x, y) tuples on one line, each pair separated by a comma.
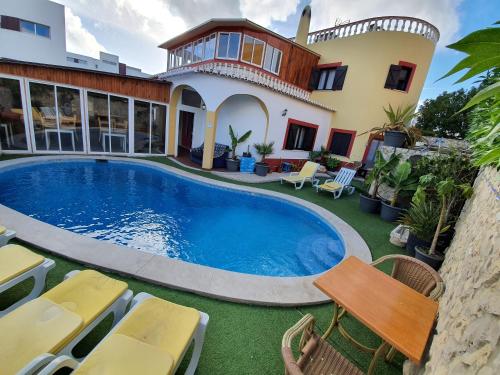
[(468, 328)]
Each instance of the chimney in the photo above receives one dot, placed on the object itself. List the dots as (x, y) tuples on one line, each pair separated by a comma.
[(303, 29)]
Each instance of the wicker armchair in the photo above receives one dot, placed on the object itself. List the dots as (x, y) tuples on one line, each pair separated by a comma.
[(415, 274), (317, 357)]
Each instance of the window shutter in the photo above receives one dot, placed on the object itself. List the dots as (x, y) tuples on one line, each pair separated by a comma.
[(10, 23), (338, 82), (393, 77), (313, 82)]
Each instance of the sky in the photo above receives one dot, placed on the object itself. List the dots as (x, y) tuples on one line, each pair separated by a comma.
[(133, 29)]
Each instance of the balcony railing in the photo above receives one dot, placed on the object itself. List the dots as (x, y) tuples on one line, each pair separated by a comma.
[(404, 24), (242, 72)]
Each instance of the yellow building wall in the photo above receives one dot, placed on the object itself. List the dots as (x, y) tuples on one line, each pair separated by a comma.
[(359, 105)]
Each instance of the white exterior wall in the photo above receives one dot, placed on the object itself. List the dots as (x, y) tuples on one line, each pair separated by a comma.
[(215, 90), (92, 64), (136, 72), (243, 113), (28, 47)]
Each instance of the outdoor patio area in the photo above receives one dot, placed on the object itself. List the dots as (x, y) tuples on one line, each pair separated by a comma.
[(261, 327)]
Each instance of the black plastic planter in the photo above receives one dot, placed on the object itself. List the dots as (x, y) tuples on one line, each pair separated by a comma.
[(261, 169), (390, 213), (233, 165), (394, 138), (368, 204), (435, 261), (414, 241)]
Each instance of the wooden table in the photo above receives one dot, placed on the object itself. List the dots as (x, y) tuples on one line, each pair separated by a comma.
[(399, 315)]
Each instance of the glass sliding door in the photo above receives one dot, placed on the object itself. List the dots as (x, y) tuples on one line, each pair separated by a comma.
[(12, 126), (118, 135), (141, 127), (98, 113), (43, 111), (70, 119), (158, 124), (149, 127)]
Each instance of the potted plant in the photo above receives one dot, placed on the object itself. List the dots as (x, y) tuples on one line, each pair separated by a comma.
[(397, 130), (399, 179), (369, 201), (263, 149), (447, 190), (319, 156), (232, 163), (421, 219), (332, 164)]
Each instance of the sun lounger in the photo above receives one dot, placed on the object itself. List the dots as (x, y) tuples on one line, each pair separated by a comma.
[(18, 264), (58, 320), (336, 186), (6, 235), (307, 173), (151, 339)]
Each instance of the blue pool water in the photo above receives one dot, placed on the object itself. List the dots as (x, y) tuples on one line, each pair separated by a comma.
[(159, 212)]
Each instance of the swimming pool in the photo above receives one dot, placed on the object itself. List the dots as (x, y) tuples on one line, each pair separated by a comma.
[(160, 212)]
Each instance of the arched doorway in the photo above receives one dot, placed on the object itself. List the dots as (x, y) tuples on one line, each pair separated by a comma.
[(186, 120)]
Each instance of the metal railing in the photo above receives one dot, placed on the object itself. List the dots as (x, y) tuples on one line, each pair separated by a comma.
[(389, 23)]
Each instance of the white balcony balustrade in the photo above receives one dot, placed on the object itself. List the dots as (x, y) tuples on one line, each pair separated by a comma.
[(403, 24)]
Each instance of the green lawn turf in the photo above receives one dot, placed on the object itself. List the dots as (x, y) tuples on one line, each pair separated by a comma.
[(244, 339)]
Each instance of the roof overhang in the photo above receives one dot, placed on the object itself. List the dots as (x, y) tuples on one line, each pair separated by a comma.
[(225, 22)]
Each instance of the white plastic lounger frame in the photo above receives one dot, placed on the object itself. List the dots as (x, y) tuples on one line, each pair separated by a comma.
[(7, 236), (117, 308), (299, 183), (39, 273), (343, 178), (198, 338)]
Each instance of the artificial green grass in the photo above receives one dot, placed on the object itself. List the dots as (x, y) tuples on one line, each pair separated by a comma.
[(244, 339)]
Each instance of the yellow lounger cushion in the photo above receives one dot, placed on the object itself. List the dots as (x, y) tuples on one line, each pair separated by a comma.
[(122, 355), (2, 230), (162, 324), (331, 186), (35, 328), (15, 260), (88, 294), (309, 169)]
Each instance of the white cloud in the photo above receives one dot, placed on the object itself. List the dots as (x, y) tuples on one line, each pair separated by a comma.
[(149, 19), (78, 39), (441, 13), (264, 12)]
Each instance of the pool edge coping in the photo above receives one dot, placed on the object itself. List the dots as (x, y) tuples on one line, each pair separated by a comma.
[(210, 282)]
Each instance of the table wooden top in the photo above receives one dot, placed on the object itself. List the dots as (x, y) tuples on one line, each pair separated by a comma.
[(395, 312)]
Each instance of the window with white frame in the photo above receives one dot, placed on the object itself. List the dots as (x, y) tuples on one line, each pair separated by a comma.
[(188, 54), (252, 51), (56, 117), (178, 57), (228, 45), (149, 127), (272, 59), (198, 50), (209, 50)]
